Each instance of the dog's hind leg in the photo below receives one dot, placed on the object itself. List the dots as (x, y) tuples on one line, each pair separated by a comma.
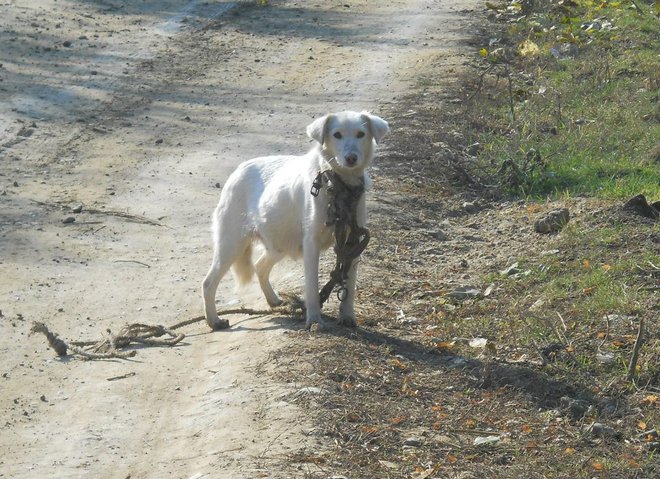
[(264, 265), (226, 251)]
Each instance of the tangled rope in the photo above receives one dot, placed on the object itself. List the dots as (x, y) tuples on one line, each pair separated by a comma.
[(116, 345), (350, 238)]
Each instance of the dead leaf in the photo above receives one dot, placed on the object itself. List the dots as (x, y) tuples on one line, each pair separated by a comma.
[(397, 420), (397, 363), (388, 464), (423, 474), (489, 289), (446, 346), (651, 400), (352, 417), (528, 48)]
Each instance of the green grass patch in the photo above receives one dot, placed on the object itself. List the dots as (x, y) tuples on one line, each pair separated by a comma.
[(583, 98)]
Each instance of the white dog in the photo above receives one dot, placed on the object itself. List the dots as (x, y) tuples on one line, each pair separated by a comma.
[(268, 200)]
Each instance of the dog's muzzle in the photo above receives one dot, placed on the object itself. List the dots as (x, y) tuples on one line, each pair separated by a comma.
[(351, 159)]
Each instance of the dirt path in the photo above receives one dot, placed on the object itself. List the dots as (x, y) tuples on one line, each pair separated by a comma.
[(138, 111)]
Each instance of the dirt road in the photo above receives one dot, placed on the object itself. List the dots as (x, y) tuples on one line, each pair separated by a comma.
[(136, 112)]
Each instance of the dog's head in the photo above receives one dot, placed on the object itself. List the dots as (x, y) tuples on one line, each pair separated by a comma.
[(347, 138)]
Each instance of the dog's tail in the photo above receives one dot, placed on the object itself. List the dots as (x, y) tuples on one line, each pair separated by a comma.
[(243, 268)]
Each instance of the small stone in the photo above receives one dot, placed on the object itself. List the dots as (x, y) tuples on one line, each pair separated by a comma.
[(67, 43), (575, 408), (465, 292), (552, 222), (159, 141), (619, 318), (510, 270), (606, 358), (486, 440), (601, 430), (639, 205), (78, 209), (68, 220), (473, 149), (413, 442), (439, 235), (312, 390), (478, 342), (564, 50)]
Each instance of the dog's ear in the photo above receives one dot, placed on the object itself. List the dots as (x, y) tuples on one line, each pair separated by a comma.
[(379, 127), (316, 130)]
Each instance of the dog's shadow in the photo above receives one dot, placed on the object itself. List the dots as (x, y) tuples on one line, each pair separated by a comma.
[(543, 389)]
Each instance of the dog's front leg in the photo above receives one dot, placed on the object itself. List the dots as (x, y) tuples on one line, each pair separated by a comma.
[(311, 253), (347, 308)]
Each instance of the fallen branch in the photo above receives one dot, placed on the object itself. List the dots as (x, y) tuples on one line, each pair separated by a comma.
[(132, 261), (94, 211)]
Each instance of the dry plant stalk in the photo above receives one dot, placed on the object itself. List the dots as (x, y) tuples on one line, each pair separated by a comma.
[(635, 353)]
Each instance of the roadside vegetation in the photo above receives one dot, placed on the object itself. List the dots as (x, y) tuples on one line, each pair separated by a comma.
[(548, 364), (572, 99)]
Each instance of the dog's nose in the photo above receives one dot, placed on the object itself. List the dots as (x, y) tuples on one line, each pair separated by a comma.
[(351, 159)]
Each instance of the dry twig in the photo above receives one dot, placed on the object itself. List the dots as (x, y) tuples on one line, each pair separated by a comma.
[(632, 367)]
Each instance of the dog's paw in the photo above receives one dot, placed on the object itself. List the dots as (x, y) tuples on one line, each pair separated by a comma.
[(317, 328), (347, 320), (315, 323), (275, 301), (217, 324)]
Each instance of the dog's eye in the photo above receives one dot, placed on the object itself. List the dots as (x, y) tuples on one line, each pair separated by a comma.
[(337, 135), (360, 134)]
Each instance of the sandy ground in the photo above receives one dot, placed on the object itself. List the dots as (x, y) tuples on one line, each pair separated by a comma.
[(138, 111)]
